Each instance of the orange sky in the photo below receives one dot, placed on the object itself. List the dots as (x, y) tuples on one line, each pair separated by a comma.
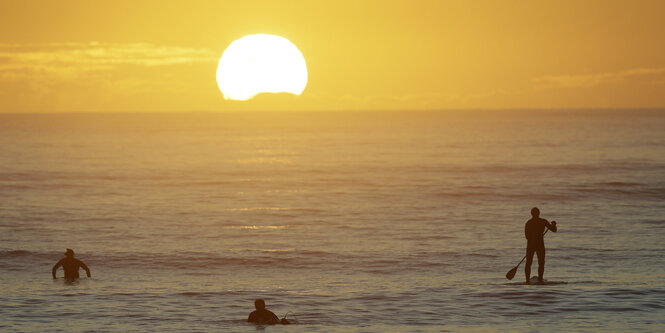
[(162, 55)]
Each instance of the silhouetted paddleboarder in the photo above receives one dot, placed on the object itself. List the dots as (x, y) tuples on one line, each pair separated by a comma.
[(71, 266), (262, 315), (534, 231)]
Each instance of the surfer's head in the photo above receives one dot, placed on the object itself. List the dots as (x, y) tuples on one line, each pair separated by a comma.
[(259, 304), (535, 212), (70, 253)]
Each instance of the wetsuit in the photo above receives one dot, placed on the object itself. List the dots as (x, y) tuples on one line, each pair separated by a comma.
[(533, 231), (71, 267), (263, 316)]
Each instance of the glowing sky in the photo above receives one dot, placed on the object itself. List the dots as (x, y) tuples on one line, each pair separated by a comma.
[(163, 55)]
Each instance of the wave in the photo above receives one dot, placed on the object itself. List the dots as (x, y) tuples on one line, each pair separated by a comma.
[(262, 259), (660, 223), (15, 253), (173, 178), (562, 193), (547, 168), (641, 192), (256, 258), (357, 172)]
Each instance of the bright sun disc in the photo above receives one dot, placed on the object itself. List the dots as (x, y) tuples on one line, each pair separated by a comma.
[(258, 64)]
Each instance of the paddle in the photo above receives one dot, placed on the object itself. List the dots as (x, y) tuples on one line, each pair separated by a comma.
[(511, 273)]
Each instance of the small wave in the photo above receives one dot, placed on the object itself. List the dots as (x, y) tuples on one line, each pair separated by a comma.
[(482, 255), (256, 227), (14, 253), (496, 194), (629, 293), (202, 183), (249, 209), (550, 169), (650, 192), (654, 222), (22, 254), (588, 248), (620, 184), (427, 237)]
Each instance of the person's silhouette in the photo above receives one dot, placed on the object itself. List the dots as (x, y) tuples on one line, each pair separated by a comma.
[(533, 231), (262, 315), (71, 266)]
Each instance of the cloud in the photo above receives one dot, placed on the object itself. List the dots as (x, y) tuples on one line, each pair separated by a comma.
[(95, 76), (530, 92), (66, 59), (591, 80)]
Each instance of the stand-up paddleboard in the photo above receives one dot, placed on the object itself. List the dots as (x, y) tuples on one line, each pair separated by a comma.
[(534, 282)]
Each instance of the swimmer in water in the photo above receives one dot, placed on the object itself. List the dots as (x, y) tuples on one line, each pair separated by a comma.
[(262, 315), (71, 266)]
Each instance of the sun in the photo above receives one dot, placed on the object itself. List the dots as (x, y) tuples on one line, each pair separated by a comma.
[(261, 63)]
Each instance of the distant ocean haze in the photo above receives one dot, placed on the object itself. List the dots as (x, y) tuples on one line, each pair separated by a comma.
[(390, 221)]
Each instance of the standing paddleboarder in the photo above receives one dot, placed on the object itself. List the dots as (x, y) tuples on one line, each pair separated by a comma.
[(533, 231)]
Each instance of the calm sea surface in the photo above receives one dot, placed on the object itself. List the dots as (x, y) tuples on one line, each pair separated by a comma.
[(369, 221)]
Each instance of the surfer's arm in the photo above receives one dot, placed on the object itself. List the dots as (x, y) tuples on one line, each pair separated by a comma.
[(551, 226), (275, 319), (87, 270), (55, 268)]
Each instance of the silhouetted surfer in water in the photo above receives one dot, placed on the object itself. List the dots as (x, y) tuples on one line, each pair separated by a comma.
[(71, 266), (262, 315), (533, 230)]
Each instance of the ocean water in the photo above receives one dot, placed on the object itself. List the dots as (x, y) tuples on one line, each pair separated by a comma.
[(347, 221)]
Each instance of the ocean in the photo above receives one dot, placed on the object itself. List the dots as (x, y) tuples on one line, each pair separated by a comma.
[(374, 221)]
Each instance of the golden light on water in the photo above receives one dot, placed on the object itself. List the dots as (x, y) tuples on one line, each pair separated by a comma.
[(261, 63)]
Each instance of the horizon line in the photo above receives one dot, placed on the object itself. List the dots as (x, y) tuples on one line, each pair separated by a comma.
[(537, 109)]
